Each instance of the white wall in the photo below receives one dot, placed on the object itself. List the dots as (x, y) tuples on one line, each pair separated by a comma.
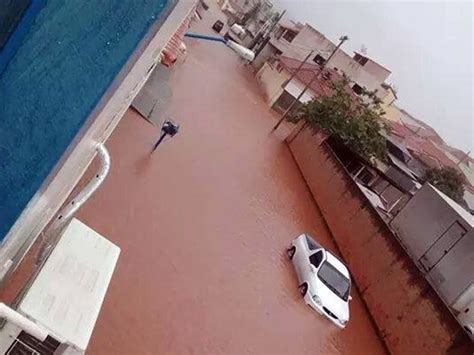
[(295, 87), (271, 82), (376, 71), (370, 76), (422, 223)]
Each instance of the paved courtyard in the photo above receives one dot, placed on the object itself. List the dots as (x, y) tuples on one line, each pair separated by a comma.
[(203, 224)]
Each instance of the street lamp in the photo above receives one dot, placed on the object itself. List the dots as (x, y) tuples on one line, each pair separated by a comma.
[(237, 48)]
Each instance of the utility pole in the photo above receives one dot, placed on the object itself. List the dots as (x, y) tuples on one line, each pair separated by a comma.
[(313, 79), (466, 155), (261, 39), (297, 69)]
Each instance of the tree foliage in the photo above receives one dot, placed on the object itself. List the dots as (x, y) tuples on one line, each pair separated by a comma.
[(357, 122), (448, 180)]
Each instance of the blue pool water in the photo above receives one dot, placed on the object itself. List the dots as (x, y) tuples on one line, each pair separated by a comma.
[(70, 55)]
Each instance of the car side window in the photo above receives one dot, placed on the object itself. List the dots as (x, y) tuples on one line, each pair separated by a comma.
[(316, 258), (312, 245)]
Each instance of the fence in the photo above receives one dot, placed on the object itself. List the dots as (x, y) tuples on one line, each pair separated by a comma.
[(408, 314)]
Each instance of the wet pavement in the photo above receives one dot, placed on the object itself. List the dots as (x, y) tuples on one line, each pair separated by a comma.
[(203, 224)]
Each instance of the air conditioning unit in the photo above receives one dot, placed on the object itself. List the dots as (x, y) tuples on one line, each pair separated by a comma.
[(63, 302)]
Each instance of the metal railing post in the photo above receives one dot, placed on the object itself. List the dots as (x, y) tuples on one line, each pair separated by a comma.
[(68, 211)]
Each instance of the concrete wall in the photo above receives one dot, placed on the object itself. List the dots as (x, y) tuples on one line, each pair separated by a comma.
[(424, 225), (270, 80), (392, 113), (424, 219), (267, 52), (296, 87), (388, 98), (376, 70), (409, 315), (454, 274)]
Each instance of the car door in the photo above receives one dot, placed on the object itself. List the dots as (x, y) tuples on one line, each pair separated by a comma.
[(307, 252), (315, 260), (310, 268)]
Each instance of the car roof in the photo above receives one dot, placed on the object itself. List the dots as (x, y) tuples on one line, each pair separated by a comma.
[(339, 265)]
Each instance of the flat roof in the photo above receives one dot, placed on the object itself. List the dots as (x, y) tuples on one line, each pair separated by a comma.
[(373, 61), (469, 218)]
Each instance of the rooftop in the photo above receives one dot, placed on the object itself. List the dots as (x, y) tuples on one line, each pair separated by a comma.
[(288, 24), (422, 142), (306, 73), (373, 61), (456, 206)]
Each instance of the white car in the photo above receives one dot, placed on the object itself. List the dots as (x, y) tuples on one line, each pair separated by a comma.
[(466, 318), (324, 280)]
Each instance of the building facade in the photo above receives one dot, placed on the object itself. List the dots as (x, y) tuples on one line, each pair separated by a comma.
[(297, 41)]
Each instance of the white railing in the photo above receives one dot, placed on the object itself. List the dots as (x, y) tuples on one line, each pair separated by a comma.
[(68, 211), (52, 234)]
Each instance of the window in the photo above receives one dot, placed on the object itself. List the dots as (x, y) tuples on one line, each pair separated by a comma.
[(312, 245), (285, 101), (365, 176), (289, 35), (319, 59), (334, 280), (316, 258), (353, 166), (326, 75), (360, 59), (357, 89)]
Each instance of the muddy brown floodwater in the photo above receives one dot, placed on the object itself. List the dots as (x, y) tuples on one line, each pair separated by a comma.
[(203, 225)]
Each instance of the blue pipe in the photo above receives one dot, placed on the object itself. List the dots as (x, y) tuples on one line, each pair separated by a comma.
[(206, 37)]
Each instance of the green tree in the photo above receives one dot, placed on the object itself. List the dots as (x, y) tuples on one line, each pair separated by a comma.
[(356, 121), (448, 180)]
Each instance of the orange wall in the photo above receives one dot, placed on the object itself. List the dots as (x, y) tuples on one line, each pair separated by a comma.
[(409, 315)]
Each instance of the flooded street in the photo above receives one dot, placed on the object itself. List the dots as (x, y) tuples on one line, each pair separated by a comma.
[(203, 224)]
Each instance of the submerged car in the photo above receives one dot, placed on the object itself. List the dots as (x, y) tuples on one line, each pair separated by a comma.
[(324, 281)]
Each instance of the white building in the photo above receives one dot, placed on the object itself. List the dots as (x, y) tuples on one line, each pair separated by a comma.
[(297, 40)]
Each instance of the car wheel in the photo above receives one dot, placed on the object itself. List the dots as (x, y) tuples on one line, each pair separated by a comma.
[(291, 252), (303, 289)]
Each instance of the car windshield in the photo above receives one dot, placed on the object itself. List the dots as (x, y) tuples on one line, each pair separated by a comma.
[(334, 280)]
